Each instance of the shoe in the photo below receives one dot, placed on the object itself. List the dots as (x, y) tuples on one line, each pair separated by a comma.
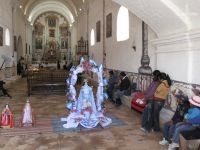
[(143, 129), (163, 142), (173, 146)]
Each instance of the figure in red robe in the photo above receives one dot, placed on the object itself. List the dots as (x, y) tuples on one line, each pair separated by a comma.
[(6, 118)]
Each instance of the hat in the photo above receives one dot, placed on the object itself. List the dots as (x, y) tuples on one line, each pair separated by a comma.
[(183, 98), (195, 100), (122, 74)]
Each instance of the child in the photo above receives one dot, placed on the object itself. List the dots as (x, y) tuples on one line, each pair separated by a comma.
[(181, 110), (189, 122)]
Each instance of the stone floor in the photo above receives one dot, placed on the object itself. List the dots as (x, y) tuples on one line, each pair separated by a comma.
[(127, 137)]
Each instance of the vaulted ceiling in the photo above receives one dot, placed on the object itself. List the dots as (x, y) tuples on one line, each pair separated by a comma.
[(165, 17), (67, 8)]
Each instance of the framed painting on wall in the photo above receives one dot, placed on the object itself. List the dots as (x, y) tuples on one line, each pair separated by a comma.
[(109, 25), (98, 31), (1, 36), (51, 33), (15, 43), (52, 22), (64, 43), (64, 31), (38, 43)]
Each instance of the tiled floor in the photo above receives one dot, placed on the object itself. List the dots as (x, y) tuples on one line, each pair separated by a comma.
[(126, 137)]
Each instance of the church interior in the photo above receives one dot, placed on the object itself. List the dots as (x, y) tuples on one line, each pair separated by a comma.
[(47, 44)]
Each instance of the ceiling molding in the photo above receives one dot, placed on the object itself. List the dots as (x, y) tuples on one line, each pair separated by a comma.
[(50, 6)]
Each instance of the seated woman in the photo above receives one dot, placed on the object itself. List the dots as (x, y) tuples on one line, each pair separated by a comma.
[(169, 127), (123, 84), (191, 121), (6, 120), (111, 84)]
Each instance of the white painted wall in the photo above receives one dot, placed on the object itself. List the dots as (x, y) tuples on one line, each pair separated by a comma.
[(178, 55), (95, 15), (6, 22), (22, 28), (119, 55)]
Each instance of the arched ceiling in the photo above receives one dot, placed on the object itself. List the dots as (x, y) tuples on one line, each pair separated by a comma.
[(67, 8), (166, 17)]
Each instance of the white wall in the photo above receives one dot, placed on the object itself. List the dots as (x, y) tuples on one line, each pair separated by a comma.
[(95, 15), (178, 55), (22, 28), (119, 55), (6, 22)]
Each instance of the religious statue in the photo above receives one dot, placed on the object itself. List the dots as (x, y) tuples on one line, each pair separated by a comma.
[(6, 118), (28, 118), (85, 110)]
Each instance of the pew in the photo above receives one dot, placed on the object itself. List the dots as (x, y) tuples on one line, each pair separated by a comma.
[(46, 81)]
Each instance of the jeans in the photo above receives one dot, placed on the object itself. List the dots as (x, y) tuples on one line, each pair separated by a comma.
[(179, 128), (147, 117), (168, 130), (158, 105)]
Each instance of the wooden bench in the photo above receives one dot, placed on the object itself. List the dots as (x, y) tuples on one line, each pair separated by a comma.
[(46, 81)]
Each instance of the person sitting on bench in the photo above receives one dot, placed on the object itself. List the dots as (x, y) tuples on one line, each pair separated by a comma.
[(3, 89)]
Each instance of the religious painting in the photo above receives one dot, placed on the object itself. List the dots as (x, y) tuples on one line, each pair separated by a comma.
[(15, 43), (64, 43), (38, 43), (39, 29), (29, 49), (64, 31), (98, 31), (109, 25), (26, 48), (51, 33), (52, 22), (1, 36)]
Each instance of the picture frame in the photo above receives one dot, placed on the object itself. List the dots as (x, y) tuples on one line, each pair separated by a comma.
[(52, 22), (51, 33), (38, 43), (98, 31), (1, 36), (39, 29), (63, 31), (15, 43), (64, 43), (109, 25)]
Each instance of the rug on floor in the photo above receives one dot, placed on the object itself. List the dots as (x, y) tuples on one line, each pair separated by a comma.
[(58, 125), (42, 126), (54, 125)]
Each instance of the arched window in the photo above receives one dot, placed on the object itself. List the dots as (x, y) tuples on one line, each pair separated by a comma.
[(7, 37), (122, 24), (92, 37)]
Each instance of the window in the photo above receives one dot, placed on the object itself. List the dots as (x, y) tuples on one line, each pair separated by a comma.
[(7, 37), (122, 24), (92, 37)]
